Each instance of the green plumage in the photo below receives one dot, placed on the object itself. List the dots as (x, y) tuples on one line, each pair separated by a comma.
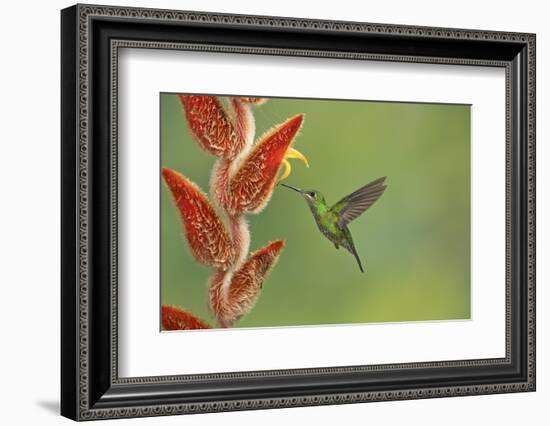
[(332, 221)]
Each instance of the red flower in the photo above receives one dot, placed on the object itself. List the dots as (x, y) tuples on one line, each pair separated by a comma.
[(257, 101), (209, 240), (212, 126), (232, 296), (252, 185), (177, 319)]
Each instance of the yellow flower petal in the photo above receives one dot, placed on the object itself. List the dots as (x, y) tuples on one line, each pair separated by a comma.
[(291, 153), (294, 153), (286, 171)]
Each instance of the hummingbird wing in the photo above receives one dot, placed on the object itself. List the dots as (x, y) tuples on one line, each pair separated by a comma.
[(354, 205)]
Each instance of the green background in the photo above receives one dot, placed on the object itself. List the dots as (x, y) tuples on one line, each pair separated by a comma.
[(414, 242)]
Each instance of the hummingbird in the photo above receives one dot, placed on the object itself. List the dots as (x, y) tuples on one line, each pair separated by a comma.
[(333, 221)]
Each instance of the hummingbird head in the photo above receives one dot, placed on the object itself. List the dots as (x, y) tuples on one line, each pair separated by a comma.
[(312, 196)]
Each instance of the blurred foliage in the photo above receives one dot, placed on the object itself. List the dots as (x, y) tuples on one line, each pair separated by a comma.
[(414, 242)]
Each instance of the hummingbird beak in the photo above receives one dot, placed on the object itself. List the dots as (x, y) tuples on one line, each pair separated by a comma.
[(292, 187)]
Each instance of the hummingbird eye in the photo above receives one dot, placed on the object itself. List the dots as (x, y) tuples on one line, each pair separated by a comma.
[(311, 194)]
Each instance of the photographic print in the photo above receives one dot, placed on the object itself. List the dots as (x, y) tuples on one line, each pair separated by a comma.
[(281, 212)]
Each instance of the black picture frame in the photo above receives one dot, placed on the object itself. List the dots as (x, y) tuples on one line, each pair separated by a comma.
[(90, 386)]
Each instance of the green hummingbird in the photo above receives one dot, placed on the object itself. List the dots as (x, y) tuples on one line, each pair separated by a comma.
[(333, 221)]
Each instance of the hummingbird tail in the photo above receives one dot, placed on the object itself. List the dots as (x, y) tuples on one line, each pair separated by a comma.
[(358, 261), (347, 243)]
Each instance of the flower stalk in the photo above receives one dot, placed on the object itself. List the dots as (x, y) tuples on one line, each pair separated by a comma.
[(242, 182)]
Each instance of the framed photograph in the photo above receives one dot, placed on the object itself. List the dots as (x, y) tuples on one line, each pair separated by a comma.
[(263, 212)]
